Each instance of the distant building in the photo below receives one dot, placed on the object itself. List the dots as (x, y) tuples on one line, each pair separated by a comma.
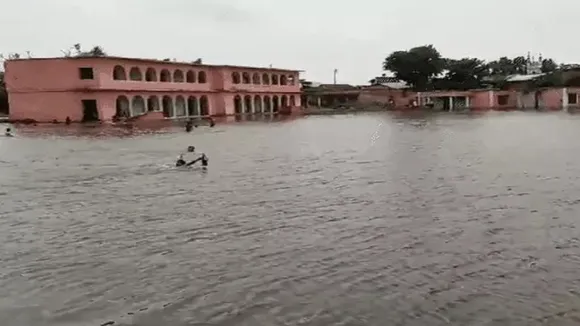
[(390, 82), (104, 88)]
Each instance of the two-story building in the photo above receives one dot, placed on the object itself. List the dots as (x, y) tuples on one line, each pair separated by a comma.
[(102, 88)]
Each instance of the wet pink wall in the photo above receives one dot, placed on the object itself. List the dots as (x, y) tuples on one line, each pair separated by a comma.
[(552, 98), (479, 100), (383, 96), (45, 107)]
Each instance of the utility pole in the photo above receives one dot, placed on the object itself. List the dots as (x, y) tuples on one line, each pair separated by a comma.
[(335, 72)]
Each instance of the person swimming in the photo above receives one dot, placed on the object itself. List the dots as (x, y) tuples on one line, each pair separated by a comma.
[(191, 149), (8, 133)]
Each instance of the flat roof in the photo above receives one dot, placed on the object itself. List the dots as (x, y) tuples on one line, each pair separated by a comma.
[(153, 61)]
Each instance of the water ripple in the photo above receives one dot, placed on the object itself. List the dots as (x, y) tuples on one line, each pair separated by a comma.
[(348, 220)]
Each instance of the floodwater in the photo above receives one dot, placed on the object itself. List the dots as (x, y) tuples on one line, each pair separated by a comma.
[(333, 220)]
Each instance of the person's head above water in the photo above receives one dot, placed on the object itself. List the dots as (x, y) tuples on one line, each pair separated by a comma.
[(191, 149), (8, 130)]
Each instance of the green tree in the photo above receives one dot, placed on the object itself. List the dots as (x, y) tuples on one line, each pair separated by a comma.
[(466, 73), (506, 66), (95, 51), (549, 65), (416, 66)]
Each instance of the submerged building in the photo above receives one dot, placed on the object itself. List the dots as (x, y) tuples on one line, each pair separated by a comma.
[(105, 88)]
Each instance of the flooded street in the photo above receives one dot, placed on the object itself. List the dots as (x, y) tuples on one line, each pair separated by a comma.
[(331, 220)]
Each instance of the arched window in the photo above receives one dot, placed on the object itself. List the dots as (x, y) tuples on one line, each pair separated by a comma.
[(178, 76), (245, 78), (165, 76), (119, 73), (150, 75), (202, 77), (135, 74), (256, 79), (236, 77), (190, 77)]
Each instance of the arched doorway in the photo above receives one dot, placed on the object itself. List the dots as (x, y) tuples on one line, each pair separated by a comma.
[(180, 107), (165, 76), (238, 105), (257, 104), (167, 103), (275, 104), (204, 106), (152, 103), (256, 79), (123, 109), (284, 101), (283, 80), (138, 105), (119, 73), (192, 106), (248, 104), (292, 101), (267, 104), (266, 79), (274, 79), (150, 75)]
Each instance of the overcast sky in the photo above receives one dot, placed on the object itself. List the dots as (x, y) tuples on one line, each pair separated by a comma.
[(316, 35)]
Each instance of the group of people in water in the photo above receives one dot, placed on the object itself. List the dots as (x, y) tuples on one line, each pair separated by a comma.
[(181, 160)]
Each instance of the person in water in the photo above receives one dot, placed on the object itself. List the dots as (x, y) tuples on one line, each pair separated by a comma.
[(191, 149), (189, 125), (8, 133)]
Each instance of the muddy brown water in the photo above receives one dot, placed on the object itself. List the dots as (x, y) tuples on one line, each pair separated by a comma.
[(369, 219)]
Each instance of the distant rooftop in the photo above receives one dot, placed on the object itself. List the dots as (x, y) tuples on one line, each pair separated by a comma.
[(520, 78), (389, 81), (152, 61)]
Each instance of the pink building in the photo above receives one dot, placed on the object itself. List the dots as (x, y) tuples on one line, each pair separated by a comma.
[(554, 98), (101, 88)]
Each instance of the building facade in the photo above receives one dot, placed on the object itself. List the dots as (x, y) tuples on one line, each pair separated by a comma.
[(548, 98), (105, 88)]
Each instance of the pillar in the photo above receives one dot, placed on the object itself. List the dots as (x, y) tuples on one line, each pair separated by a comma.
[(318, 102), (450, 103), (468, 102), (174, 104), (565, 103), (491, 99)]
